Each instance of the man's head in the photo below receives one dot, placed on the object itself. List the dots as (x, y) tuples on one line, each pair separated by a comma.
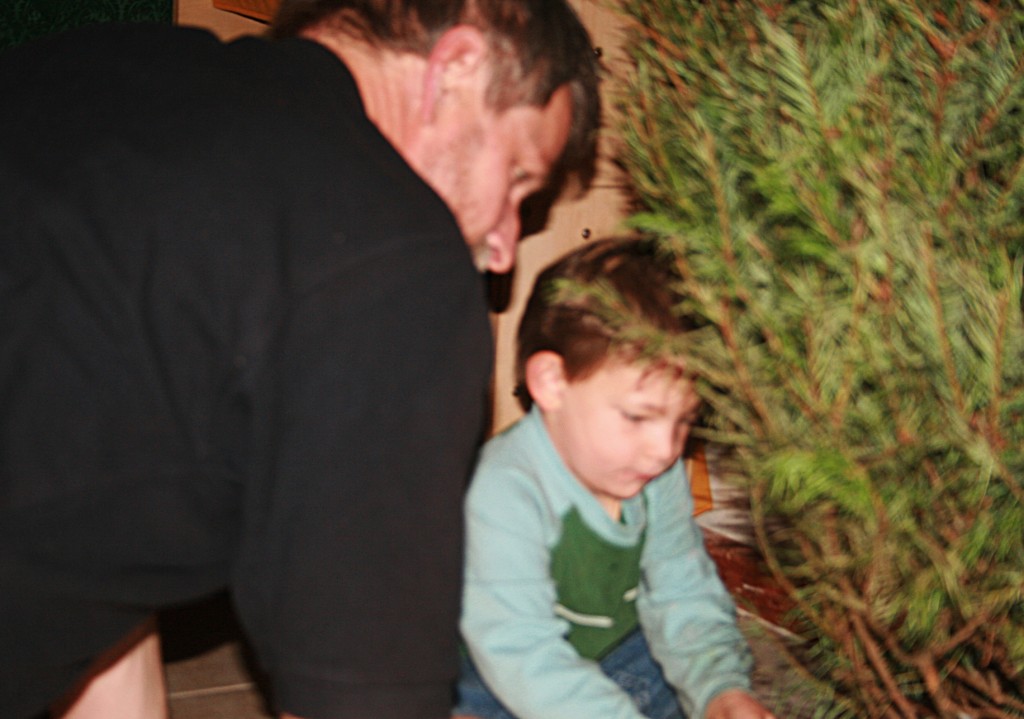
[(506, 97), (617, 409)]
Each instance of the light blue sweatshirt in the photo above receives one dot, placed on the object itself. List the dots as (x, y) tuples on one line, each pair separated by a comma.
[(514, 619)]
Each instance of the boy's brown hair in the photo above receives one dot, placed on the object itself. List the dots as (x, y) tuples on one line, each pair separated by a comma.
[(578, 304)]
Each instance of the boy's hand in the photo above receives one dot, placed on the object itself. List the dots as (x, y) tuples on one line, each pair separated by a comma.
[(736, 704)]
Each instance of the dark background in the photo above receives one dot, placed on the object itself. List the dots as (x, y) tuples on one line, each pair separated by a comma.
[(23, 20)]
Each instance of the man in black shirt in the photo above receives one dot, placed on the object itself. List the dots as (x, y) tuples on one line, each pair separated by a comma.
[(242, 342)]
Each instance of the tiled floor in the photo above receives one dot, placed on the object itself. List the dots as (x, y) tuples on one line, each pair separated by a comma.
[(209, 673), (210, 676)]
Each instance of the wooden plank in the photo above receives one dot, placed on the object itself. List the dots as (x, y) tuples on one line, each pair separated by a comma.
[(226, 25), (262, 10)]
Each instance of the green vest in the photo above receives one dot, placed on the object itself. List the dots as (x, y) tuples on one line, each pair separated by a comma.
[(596, 583)]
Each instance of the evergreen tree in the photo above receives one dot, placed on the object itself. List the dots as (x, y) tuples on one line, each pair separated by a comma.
[(841, 183)]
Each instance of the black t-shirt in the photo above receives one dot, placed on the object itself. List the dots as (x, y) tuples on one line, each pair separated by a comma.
[(241, 344)]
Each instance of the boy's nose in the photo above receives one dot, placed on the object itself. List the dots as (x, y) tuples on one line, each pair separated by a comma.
[(666, 445)]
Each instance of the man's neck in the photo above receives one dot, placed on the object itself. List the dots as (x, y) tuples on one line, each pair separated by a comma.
[(390, 84)]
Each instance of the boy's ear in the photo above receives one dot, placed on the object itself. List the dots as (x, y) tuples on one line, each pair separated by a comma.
[(454, 64), (546, 379)]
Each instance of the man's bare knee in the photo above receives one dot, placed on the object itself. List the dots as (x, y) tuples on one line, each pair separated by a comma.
[(124, 682)]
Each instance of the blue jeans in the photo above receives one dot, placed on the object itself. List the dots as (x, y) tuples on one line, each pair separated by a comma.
[(630, 665)]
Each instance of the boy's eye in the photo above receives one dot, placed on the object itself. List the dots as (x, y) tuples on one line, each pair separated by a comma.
[(685, 423), (630, 417)]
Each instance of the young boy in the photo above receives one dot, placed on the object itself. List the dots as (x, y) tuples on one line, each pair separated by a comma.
[(588, 592)]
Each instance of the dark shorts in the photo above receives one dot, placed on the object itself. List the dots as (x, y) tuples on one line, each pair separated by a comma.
[(36, 666), (630, 665), (75, 580)]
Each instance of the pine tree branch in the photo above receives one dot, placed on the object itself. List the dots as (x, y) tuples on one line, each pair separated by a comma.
[(1014, 184), (876, 658), (778, 574), (988, 121), (988, 689), (671, 51), (992, 432), (763, 425), (812, 201), (934, 294), (857, 612)]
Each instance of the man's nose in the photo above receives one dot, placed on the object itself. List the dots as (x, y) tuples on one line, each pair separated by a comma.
[(501, 242)]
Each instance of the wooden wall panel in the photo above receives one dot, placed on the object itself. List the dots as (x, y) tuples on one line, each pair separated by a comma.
[(226, 25), (571, 222)]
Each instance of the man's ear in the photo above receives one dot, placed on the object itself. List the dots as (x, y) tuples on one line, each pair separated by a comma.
[(546, 379), (455, 63)]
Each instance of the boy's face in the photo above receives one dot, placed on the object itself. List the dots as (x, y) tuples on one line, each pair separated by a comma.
[(621, 427)]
